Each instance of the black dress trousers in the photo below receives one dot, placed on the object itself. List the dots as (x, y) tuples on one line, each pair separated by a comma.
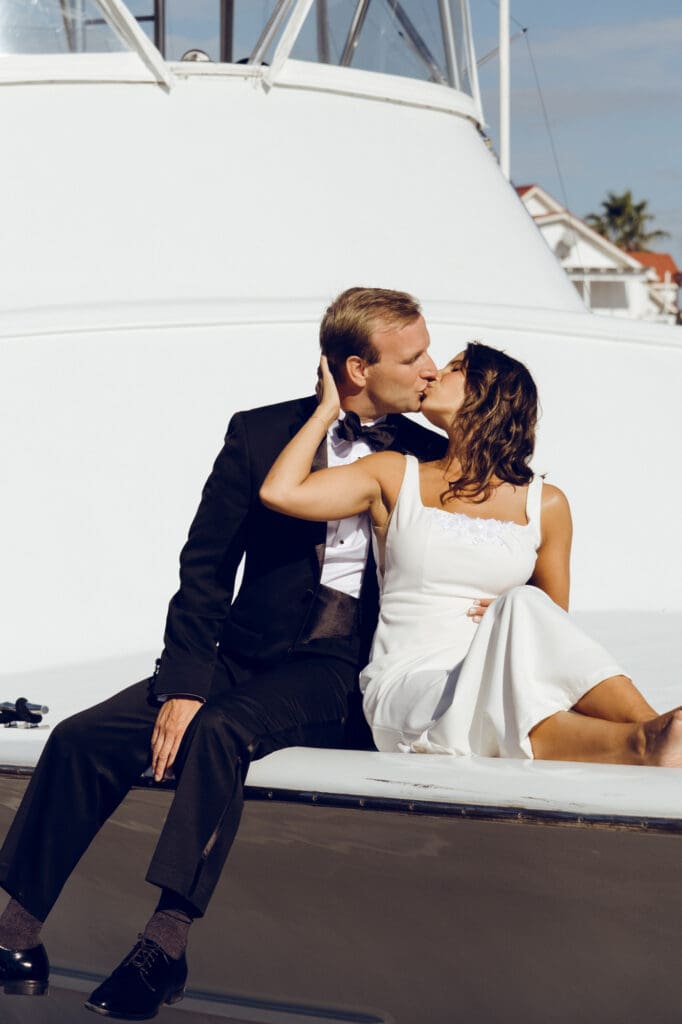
[(92, 759)]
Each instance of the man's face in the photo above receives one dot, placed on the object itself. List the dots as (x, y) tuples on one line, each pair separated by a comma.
[(398, 381)]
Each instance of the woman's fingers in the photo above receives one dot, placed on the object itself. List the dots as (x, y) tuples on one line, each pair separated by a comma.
[(477, 610), (330, 394)]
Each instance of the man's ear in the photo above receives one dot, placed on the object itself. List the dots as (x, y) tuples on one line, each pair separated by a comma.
[(356, 369)]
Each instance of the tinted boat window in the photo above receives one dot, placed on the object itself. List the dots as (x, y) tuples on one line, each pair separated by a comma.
[(250, 19), (222, 30), (56, 26), (397, 37), (424, 39), (192, 26), (144, 11)]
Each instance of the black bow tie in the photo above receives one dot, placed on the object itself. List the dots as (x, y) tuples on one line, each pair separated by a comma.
[(379, 436)]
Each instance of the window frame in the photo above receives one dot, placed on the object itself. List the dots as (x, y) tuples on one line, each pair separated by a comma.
[(286, 71), (143, 63)]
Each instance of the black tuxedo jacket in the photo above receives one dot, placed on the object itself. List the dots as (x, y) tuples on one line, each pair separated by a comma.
[(281, 606)]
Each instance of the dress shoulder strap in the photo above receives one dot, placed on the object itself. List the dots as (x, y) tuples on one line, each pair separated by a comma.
[(410, 485), (409, 497), (534, 505)]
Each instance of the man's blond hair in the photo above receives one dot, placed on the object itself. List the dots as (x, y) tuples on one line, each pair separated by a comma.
[(347, 325)]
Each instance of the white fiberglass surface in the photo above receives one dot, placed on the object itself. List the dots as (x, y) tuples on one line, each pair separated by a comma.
[(175, 194), (56, 26)]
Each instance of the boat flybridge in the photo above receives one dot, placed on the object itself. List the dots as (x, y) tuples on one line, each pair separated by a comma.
[(186, 185)]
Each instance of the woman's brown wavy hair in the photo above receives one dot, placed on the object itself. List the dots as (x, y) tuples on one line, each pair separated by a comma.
[(493, 433)]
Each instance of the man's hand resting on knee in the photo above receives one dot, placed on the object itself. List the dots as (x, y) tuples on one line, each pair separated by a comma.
[(170, 726)]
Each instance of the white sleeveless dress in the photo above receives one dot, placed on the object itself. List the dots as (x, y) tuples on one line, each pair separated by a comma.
[(439, 683)]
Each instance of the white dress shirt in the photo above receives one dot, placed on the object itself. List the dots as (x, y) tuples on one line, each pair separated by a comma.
[(348, 539)]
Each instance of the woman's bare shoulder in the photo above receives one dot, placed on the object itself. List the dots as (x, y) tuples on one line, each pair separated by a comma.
[(384, 461), (555, 504), (553, 496), (388, 468)]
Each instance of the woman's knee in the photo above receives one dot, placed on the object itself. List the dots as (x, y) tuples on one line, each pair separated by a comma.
[(524, 595)]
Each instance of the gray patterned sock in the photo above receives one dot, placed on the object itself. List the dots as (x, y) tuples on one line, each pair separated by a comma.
[(18, 928), (169, 924)]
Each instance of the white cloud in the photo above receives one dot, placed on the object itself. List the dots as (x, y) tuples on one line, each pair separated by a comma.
[(592, 41)]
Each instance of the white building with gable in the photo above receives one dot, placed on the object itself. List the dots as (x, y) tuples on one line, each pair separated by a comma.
[(610, 281)]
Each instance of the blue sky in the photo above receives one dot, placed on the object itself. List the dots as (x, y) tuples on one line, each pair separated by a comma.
[(611, 77)]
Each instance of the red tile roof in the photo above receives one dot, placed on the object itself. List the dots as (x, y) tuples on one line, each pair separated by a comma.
[(658, 261)]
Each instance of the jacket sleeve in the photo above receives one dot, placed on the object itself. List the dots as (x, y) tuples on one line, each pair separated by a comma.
[(208, 566)]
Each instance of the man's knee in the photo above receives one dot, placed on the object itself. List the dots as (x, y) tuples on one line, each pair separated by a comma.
[(95, 730), (224, 729), (70, 736)]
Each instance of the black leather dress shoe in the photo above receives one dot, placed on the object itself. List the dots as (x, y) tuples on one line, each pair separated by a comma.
[(143, 981), (24, 972)]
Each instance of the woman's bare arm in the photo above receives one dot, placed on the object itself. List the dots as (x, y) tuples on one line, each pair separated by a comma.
[(335, 493), (552, 568), (290, 487)]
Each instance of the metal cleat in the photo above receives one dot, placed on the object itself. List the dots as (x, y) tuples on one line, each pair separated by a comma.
[(22, 715)]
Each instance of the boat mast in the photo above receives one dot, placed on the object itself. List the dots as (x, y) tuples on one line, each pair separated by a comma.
[(504, 88)]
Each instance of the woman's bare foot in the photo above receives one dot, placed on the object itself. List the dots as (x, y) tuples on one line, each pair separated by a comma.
[(663, 740)]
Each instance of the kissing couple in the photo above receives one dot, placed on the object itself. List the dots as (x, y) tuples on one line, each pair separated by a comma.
[(432, 566)]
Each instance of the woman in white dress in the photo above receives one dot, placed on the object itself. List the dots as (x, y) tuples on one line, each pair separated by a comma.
[(521, 679)]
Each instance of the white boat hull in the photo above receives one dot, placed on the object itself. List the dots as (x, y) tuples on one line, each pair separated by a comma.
[(358, 914)]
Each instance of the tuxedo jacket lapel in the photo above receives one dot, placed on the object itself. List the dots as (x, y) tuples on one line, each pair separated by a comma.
[(320, 462), (319, 530), (397, 445)]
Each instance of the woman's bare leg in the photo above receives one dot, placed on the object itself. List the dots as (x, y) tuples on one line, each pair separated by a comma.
[(569, 736), (616, 699)]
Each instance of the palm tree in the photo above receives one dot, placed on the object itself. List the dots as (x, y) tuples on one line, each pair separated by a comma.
[(624, 222)]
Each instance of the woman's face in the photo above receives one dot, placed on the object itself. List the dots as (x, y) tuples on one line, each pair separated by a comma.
[(445, 396)]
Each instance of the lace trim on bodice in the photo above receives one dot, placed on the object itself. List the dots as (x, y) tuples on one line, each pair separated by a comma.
[(476, 530)]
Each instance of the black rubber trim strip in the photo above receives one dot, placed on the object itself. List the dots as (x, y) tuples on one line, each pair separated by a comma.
[(481, 812), (435, 808)]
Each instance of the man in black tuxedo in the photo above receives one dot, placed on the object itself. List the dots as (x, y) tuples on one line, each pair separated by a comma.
[(236, 680)]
